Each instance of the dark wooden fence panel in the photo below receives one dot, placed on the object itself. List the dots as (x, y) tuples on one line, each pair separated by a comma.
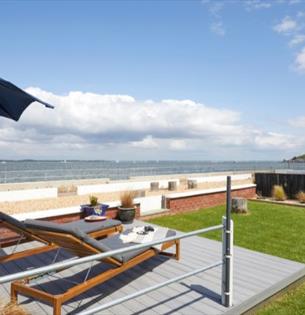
[(292, 183)]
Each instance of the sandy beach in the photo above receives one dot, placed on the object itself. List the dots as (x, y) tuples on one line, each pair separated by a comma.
[(75, 200)]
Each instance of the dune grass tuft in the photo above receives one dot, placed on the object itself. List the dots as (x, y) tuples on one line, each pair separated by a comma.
[(12, 309), (127, 199), (301, 196), (278, 193)]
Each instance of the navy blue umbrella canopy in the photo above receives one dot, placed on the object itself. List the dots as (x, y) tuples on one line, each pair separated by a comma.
[(13, 100)]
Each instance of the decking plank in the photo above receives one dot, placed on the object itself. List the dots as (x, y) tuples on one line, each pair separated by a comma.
[(243, 253), (168, 293), (254, 273)]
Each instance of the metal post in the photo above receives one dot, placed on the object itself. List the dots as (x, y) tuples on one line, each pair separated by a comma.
[(227, 249)]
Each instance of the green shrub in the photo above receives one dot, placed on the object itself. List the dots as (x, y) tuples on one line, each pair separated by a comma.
[(93, 201), (301, 196), (278, 193)]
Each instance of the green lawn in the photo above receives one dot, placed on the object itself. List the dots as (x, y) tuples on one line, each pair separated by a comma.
[(291, 303), (273, 229)]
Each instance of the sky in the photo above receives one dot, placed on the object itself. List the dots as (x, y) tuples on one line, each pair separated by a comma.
[(156, 80)]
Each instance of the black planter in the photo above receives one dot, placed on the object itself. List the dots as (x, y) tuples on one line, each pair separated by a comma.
[(126, 215)]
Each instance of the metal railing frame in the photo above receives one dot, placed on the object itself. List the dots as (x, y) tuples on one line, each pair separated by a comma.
[(78, 261), (226, 262), (147, 290), (61, 174)]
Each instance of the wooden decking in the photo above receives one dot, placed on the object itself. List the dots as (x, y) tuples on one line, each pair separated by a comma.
[(256, 277)]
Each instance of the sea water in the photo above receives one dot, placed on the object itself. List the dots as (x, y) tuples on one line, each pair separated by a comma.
[(34, 170)]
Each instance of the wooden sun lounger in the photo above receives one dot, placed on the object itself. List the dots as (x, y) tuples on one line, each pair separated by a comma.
[(28, 235), (84, 246)]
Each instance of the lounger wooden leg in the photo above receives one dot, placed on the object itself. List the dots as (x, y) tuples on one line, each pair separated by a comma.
[(57, 307), (177, 249), (167, 245), (14, 294)]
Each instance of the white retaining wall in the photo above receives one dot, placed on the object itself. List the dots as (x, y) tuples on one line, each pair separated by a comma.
[(147, 204), (121, 186), (220, 178), (28, 194)]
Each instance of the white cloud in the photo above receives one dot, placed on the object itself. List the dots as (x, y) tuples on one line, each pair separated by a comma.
[(298, 122), (297, 40), (272, 140), (218, 28), (178, 144), (215, 9), (300, 14), (146, 143), (267, 4), (116, 115), (291, 2), (87, 125), (294, 30), (300, 61), (287, 25), (257, 4)]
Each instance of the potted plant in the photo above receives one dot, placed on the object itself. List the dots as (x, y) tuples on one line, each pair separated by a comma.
[(94, 207), (127, 210)]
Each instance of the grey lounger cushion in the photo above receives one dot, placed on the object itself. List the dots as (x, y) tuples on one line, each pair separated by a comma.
[(51, 227), (71, 228), (107, 244), (114, 242), (89, 227), (11, 220)]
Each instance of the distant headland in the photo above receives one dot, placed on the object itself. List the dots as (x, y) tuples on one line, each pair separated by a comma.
[(300, 158)]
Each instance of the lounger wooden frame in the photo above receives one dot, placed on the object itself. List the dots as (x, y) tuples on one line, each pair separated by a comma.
[(32, 235), (80, 248)]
